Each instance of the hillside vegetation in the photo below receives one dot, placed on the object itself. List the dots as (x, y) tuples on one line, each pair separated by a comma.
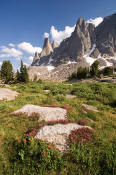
[(23, 155)]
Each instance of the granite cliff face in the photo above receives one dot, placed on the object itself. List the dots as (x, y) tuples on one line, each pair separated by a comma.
[(86, 44), (71, 49), (106, 36)]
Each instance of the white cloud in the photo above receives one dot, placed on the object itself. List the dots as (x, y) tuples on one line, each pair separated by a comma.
[(59, 36), (11, 45), (31, 58), (0, 63), (27, 65), (27, 47), (9, 52), (46, 35), (95, 21)]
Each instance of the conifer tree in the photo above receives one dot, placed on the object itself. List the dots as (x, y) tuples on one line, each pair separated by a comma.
[(94, 68), (7, 71), (22, 76)]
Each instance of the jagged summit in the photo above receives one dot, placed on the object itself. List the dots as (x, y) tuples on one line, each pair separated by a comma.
[(54, 45), (85, 45), (47, 48), (36, 57)]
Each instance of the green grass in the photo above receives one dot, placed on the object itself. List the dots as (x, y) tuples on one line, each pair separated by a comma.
[(12, 129)]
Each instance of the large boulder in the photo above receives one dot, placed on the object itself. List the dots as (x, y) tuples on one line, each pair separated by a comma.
[(57, 134), (45, 113), (7, 94)]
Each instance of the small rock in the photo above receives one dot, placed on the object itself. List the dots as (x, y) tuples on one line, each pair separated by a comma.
[(70, 96), (87, 108), (46, 90)]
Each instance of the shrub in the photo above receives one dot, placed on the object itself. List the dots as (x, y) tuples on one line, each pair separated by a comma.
[(81, 135), (108, 71), (35, 157), (82, 73)]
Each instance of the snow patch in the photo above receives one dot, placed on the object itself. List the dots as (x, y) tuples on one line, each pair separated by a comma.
[(70, 62), (50, 68), (38, 73), (89, 59), (50, 60)]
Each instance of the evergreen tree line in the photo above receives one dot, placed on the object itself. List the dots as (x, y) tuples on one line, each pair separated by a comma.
[(7, 75), (93, 71)]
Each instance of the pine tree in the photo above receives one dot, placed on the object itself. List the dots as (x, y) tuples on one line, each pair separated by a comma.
[(7, 71), (22, 72), (18, 76), (26, 76), (94, 69), (22, 76)]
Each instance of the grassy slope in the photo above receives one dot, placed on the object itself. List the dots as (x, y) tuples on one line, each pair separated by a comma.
[(97, 94)]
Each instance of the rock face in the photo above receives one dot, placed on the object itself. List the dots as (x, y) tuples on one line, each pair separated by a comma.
[(57, 134), (45, 113), (7, 94), (106, 36), (36, 57), (71, 49), (47, 48), (86, 44), (54, 45)]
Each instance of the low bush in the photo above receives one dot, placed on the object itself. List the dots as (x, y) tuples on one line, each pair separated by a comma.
[(35, 157), (108, 71)]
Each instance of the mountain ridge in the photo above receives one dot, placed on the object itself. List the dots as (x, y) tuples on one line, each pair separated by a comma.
[(86, 44)]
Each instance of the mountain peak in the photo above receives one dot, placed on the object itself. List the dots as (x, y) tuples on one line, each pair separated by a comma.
[(47, 48)]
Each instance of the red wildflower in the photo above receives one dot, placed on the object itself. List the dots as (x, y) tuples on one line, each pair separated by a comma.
[(44, 153), (24, 141)]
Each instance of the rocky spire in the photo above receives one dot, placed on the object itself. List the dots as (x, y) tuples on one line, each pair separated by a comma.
[(47, 48), (36, 57), (80, 42), (54, 45)]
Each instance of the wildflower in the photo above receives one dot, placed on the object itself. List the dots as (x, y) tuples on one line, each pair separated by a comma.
[(24, 141), (44, 153)]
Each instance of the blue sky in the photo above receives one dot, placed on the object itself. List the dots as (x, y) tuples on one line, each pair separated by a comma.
[(24, 22)]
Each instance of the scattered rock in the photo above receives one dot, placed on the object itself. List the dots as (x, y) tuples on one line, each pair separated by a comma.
[(46, 90), (57, 134), (7, 94), (45, 113), (87, 108), (70, 96)]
